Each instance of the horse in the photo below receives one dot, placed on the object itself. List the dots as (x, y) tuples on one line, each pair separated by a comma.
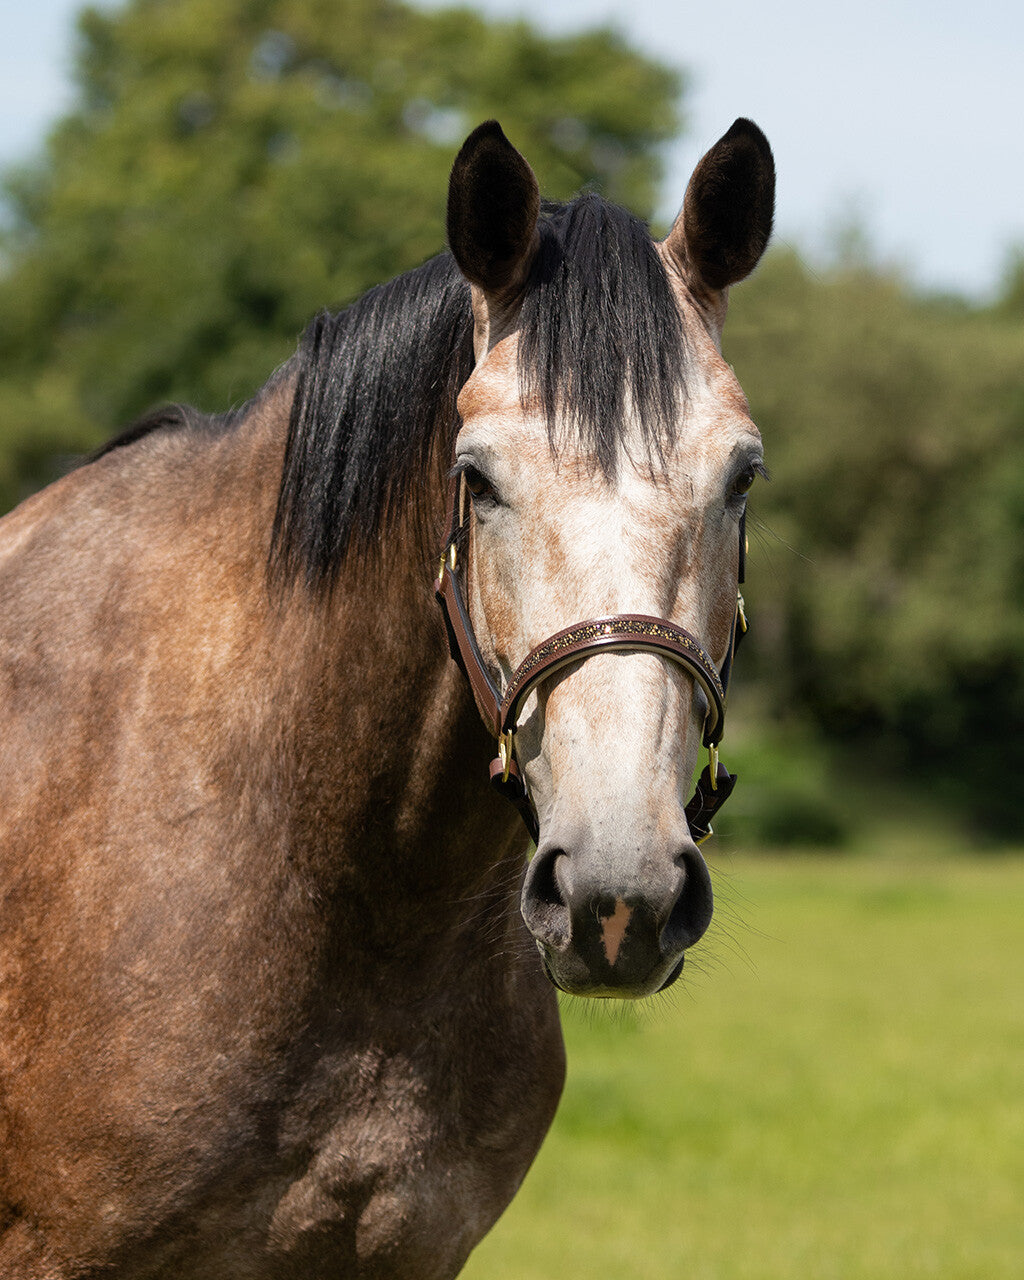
[(278, 985)]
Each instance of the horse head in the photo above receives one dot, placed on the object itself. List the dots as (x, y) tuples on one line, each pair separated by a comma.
[(603, 460)]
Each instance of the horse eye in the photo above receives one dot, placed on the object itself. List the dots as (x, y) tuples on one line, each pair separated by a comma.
[(743, 481), (478, 484)]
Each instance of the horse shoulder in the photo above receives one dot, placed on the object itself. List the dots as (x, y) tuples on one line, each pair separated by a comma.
[(131, 590)]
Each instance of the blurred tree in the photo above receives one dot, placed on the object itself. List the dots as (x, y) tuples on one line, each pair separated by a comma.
[(1011, 296), (890, 592), (232, 166)]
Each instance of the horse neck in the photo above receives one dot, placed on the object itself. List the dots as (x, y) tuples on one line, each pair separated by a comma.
[(386, 756)]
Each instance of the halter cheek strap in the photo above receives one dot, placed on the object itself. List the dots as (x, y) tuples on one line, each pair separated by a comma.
[(627, 631)]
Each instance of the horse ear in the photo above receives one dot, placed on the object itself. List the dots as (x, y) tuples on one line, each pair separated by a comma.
[(726, 219), (493, 206)]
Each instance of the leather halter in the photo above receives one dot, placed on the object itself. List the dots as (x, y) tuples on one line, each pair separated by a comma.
[(624, 631)]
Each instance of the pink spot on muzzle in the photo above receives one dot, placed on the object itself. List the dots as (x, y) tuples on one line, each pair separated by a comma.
[(613, 929)]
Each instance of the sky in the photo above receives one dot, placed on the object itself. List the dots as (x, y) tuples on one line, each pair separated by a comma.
[(904, 118)]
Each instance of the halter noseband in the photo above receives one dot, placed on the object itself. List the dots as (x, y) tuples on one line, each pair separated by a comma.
[(623, 631)]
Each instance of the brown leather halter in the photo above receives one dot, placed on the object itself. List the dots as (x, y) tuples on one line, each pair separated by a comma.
[(629, 631)]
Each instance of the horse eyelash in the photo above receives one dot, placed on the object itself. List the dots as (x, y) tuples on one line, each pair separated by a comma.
[(456, 471), (461, 468)]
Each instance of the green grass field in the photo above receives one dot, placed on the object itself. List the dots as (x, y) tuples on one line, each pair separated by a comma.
[(835, 1089)]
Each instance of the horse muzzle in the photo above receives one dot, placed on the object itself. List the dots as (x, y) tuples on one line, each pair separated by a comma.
[(615, 923)]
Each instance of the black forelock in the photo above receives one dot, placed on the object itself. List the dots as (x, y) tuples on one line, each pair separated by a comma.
[(601, 341), (601, 346)]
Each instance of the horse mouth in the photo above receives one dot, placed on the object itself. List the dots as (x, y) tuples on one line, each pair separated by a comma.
[(675, 973), (573, 982)]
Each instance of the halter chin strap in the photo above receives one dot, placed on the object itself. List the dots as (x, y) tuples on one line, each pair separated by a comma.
[(624, 631)]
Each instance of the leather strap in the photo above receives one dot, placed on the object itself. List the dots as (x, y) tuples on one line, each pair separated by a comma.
[(628, 631), (462, 643), (511, 786), (707, 800)]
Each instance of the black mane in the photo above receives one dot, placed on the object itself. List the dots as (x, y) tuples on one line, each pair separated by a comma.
[(600, 334), (376, 383), (601, 345)]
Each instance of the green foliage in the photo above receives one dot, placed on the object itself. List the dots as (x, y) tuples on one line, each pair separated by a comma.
[(787, 797), (887, 554), (233, 166), (1011, 296)]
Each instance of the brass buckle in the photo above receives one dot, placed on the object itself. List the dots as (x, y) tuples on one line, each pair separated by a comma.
[(741, 610), (713, 767), (706, 836), (505, 753), (448, 557)]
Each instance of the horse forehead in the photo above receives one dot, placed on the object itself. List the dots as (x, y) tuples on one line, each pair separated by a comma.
[(715, 419), (712, 385), (493, 386)]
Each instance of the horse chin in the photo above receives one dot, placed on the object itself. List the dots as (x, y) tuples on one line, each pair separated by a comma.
[(674, 973), (570, 974)]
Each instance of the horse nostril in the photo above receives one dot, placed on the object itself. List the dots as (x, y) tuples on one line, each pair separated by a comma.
[(692, 910), (543, 906)]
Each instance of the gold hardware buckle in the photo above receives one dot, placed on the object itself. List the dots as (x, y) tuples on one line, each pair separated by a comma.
[(448, 556), (713, 767), (505, 753), (706, 836), (741, 610)]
